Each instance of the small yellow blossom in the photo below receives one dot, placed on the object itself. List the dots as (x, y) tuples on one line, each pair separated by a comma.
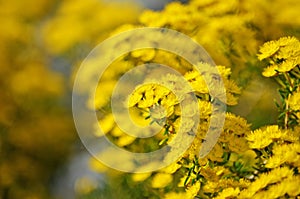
[(193, 190), (288, 186), (228, 193), (288, 65), (270, 71), (287, 153), (224, 71), (262, 138), (268, 49), (294, 101), (144, 54), (236, 124), (286, 41), (139, 177), (172, 168), (274, 176), (174, 195), (125, 140), (105, 125), (161, 180)]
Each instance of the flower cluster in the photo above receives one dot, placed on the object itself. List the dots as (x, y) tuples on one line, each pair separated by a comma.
[(245, 162), (283, 55)]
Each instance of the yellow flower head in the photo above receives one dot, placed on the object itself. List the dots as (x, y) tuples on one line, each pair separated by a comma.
[(294, 101), (161, 180), (268, 49)]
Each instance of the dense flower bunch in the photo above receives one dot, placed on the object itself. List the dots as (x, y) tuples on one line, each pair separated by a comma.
[(244, 163), (283, 57)]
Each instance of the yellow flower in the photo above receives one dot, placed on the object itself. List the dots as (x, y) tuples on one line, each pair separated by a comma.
[(288, 65), (274, 176), (102, 95), (288, 186), (162, 92), (172, 168), (189, 108), (184, 125), (237, 144), (161, 111), (216, 153), (161, 180), (204, 109), (231, 87), (105, 125), (174, 195), (85, 185), (97, 166), (144, 54), (294, 101), (134, 98), (268, 49), (116, 131), (169, 100), (228, 193), (262, 138), (236, 124), (287, 153), (191, 75), (193, 190), (125, 140), (285, 41), (270, 71), (139, 177), (224, 71), (289, 51)]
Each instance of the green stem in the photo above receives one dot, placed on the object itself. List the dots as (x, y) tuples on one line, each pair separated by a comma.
[(286, 118), (290, 88), (287, 77), (279, 81)]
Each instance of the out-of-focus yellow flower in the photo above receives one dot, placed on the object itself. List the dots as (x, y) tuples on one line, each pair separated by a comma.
[(174, 195), (97, 166), (102, 95), (74, 23), (105, 125), (145, 54), (139, 177), (172, 168), (161, 180), (31, 77), (125, 140), (85, 185)]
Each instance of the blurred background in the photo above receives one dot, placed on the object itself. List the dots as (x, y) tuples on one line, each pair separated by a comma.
[(42, 42)]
